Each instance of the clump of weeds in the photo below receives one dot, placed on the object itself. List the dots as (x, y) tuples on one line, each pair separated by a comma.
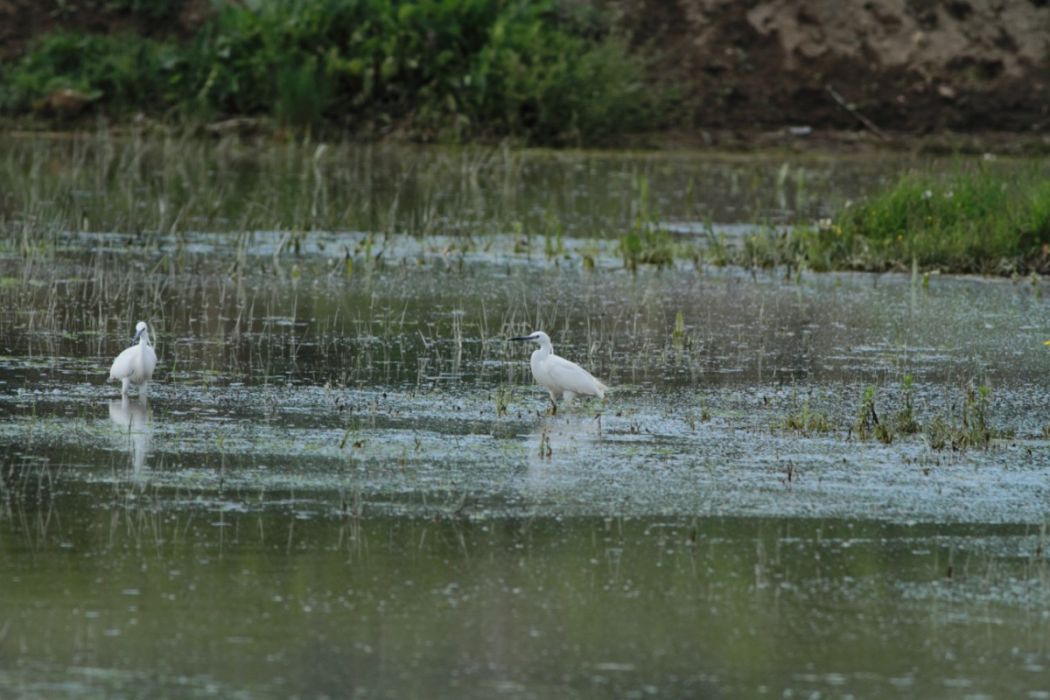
[(905, 422), (678, 334), (805, 420), (867, 424), (502, 401), (973, 429), (647, 243)]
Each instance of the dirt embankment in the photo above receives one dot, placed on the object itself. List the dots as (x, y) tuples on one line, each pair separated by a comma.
[(902, 65), (913, 66)]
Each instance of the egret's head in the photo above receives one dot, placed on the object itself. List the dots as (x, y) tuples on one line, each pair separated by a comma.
[(140, 328), (536, 337)]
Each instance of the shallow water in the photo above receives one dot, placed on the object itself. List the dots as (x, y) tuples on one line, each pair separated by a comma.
[(343, 483)]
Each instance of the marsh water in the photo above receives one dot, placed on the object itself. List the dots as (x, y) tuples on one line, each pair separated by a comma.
[(343, 482)]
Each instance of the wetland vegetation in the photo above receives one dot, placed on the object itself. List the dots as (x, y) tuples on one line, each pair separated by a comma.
[(343, 478)]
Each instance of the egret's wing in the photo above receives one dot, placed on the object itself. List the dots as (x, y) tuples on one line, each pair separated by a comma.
[(123, 365), (569, 376)]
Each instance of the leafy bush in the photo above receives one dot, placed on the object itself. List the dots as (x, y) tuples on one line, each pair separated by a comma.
[(431, 68), (124, 71)]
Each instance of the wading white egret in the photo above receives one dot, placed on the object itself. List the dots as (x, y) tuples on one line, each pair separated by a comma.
[(559, 376), (135, 365)]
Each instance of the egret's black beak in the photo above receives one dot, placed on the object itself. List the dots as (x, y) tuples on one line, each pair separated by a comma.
[(523, 337), (138, 334)]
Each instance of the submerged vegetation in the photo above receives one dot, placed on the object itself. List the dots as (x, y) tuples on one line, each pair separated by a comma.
[(538, 71)]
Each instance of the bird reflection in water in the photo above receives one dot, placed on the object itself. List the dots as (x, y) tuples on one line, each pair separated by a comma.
[(133, 419)]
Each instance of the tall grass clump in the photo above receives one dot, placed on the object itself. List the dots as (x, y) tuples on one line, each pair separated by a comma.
[(980, 220), (429, 69)]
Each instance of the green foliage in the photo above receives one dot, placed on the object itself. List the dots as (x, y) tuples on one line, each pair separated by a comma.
[(124, 71), (977, 220), (905, 422), (430, 68), (647, 243), (151, 9), (970, 221), (804, 420), (974, 427), (866, 420), (678, 334)]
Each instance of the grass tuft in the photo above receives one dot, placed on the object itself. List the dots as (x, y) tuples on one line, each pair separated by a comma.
[(804, 420)]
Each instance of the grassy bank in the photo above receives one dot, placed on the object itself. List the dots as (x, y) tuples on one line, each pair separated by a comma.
[(976, 220), (539, 71)]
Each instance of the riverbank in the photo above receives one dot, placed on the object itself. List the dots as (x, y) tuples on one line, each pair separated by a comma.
[(626, 73)]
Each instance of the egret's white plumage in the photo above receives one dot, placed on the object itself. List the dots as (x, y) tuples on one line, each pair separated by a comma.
[(559, 376), (135, 365)]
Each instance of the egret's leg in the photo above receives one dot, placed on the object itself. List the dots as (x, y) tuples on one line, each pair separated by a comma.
[(124, 384)]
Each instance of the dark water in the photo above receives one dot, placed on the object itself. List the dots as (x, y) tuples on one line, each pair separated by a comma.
[(343, 483)]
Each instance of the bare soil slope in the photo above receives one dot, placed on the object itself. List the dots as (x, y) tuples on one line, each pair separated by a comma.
[(906, 65)]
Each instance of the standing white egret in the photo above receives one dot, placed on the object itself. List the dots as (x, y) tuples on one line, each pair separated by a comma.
[(135, 365), (558, 375)]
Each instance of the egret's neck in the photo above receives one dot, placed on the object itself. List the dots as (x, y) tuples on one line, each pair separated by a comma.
[(544, 350), (144, 338)]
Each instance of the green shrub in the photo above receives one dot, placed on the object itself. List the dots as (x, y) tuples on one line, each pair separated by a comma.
[(122, 71), (431, 68)]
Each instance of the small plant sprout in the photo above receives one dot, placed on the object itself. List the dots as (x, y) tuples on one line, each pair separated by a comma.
[(904, 421), (502, 401), (866, 418), (545, 444), (974, 429), (678, 334)]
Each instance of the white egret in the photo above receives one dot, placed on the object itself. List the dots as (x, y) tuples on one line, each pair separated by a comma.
[(559, 376), (135, 365)]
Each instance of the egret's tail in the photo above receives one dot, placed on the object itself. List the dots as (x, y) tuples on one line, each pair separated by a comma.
[(601, 389)]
